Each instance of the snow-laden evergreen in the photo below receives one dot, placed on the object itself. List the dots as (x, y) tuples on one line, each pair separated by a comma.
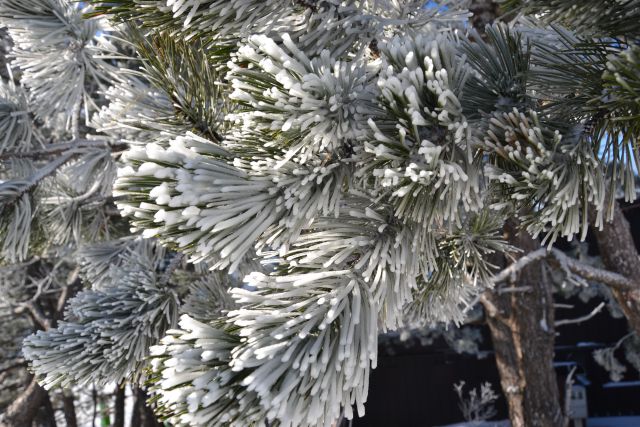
[(341, 167)]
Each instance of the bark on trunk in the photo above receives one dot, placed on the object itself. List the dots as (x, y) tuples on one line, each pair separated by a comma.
[(119, 407), (619, 253), (522, 331), (23, 410)]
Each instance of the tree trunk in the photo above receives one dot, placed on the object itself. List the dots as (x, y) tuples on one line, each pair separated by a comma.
[(138, 405), (149, 418), (522, 331), (23, 410), (119, 407), (69, 407), (46, 416), (619, 253)]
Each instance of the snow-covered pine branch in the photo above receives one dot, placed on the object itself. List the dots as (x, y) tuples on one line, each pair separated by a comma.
[(55, 50), (420, 149), (107, 331)]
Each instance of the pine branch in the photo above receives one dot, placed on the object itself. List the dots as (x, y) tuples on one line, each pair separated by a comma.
[(513, 269), (61, 148), (600, 17), (600, 275), (586, 271), (108, 329), (48, 169), (36, 314)]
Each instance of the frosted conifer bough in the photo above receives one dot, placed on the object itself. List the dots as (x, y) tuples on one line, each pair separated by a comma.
[(193, 382), (16, 125), (51, 36), (319, 104), (325, 330), (436, 303), (341, 26), (461, 271), (559, 178), (223, 15), (17, 205), (304, 346), (351, 161), (15, 225), (379, 250), (421, 150), (250, 200), (137, 113), (209, 297), (107, 332)]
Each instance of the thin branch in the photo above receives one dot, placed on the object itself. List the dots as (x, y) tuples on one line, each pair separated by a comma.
[(514, 289), (623, 339), (489, 307), (23, 409), (36, 314), (601, 275), (581, 319), (568, 386), (55, 149), (513, 269), (557, 305), (586, 271), (20, 363)]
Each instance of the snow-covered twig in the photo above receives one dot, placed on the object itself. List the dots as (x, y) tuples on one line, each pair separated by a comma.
[(586, 271)]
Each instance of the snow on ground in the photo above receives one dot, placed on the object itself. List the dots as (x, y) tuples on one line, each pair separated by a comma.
[(591, 422), (614, 422)]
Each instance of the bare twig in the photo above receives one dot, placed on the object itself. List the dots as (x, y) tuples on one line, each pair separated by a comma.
[(36, 314), (581, 319), (514, 289), (557, 305), (510, 272), (568, 386), (623, 339)]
